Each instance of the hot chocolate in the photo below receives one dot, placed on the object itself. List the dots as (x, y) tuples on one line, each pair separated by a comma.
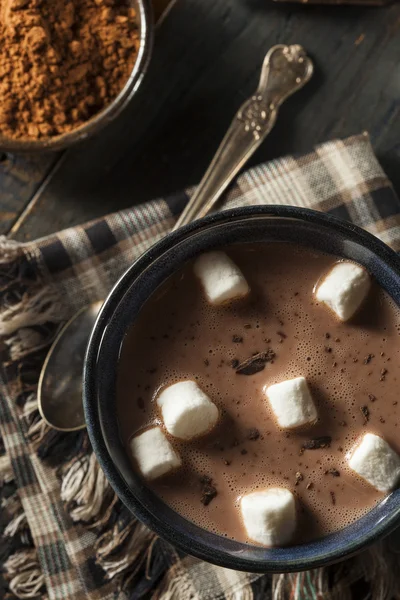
[(340, 383)]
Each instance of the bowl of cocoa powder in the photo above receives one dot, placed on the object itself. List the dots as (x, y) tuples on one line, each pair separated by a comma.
[(68, 67)]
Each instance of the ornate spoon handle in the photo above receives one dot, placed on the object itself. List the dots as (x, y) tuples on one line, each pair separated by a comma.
[(285, 70)]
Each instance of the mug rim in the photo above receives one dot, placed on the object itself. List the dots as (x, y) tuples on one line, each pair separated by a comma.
[(184, 541)]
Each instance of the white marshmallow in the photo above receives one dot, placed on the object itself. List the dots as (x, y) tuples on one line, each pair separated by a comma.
[(291, 403), (154, 453), (186, 410), (344, 288), (221, 279), (269, 516), (376, 462)]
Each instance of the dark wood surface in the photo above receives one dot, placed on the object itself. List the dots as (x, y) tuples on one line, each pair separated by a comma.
[(206, 60)]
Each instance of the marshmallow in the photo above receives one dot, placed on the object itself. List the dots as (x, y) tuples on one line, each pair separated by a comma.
[(221, 279), (344, 288), (269, 516), (291, 403), (375, 461), (186, 410), (154, 454)]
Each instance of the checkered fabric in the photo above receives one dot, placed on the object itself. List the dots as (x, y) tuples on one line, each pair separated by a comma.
[(81, 542)]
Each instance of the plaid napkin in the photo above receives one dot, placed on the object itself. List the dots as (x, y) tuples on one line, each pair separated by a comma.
[(63, 533)]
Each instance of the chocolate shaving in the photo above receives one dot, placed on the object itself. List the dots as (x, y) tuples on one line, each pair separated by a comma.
[(309, 485), (382, 420), (281, 334), (205, 479), (247, 326), (368, 359), (333, 472), (327, 335), (333, 497), (316, 443), (235, 363), (365, 413), (372, 397), (383, 374), (255, 363), (208, 490), (299, 477), (328, 349), (237, 339), (253, 434)]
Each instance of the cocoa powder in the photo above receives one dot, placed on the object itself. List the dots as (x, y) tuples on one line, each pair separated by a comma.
[(61, 62)]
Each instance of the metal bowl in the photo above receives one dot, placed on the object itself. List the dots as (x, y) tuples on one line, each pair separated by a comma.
[(105, 116)]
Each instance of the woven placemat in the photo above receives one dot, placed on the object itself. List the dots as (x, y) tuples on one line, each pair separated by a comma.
[(63, 533)]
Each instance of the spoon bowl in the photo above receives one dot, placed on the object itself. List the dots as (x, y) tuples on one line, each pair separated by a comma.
[(60, 382)]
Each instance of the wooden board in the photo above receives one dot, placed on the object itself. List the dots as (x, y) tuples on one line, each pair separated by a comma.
[(206, 61)]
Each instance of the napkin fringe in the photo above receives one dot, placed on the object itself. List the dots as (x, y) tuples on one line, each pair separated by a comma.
[(122, 553), (85, 490), (19, 564), (26, 304), (31, 310), (177, 585), (377, 566), (24, 575), (6, 470), (16, 546), (10, 250), (307, 585)]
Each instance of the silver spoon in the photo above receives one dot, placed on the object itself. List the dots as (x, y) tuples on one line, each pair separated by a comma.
[(285, 70)]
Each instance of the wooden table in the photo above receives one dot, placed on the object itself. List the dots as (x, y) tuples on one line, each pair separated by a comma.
[(206, 60)]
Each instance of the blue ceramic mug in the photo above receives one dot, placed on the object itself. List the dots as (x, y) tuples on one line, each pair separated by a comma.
[(252, 224)]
